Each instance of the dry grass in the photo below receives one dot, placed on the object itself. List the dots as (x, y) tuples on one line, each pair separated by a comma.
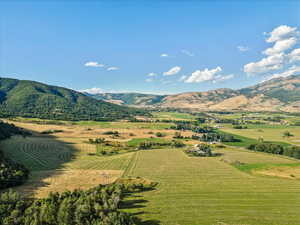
[(281, 171), (41, 183)]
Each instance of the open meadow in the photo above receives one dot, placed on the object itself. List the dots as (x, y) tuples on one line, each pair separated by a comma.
[(237, 187)]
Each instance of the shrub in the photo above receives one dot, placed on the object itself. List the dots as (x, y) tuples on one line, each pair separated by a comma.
[(160, 134)]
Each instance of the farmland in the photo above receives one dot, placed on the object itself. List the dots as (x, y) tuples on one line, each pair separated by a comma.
[(238, 187)]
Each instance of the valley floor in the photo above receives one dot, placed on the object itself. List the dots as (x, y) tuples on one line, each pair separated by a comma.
[(191, 190)]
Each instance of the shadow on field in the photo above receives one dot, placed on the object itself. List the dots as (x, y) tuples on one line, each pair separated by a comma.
[(136, 202), (43, 154)]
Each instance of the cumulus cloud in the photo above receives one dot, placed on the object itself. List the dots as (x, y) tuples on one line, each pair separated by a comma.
[(281, 33), (293, 70), (188, 53), (93, 64), (164, 55), (272, 62), (281, 46), (243, 48), (283, 39), (92, 91), (294, 55), (203, 75), (172, 71), (112, 68), (152, 74)]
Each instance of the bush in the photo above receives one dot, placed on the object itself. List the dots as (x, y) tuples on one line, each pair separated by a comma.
[(160, 134)]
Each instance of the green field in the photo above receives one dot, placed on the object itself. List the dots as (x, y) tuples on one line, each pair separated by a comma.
[(173, 116), (191, 190), (268, 133), (206, 191)]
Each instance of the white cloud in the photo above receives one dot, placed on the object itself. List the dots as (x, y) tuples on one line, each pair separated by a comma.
[(273, 62), (282, 32), (93, 64), (164, 55), (152, 74), (283, 39), (294, 55), (93, 90), (188, 53), (281, 46), (112, 68), (243, 48), (293, 70), (220, 78), (172, 71), (204, 75)]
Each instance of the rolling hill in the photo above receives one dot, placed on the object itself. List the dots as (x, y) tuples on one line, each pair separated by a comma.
[(281, 94), (34, 99)]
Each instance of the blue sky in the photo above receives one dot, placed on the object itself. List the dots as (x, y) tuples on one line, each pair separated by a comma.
[(184, 45)]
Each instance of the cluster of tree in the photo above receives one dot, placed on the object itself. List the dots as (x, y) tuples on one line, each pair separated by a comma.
[(193, 126), (216, 137), (11, 173), (240, 127), (154, 144), (291, 151), (7, 130), (201, 150), (97, 206), (274, 119)]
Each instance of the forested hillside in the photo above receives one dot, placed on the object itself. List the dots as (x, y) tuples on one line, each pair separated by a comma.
[(33, 99)]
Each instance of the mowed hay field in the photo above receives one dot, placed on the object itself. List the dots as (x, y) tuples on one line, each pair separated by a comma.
[(206, 191), (191, 190)]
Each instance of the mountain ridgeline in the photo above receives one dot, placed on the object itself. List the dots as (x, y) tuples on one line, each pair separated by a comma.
[(33, 99), (281, 94)]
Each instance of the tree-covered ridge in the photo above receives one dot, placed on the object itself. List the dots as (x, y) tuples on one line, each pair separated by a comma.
[(11, 173), (33, 99)]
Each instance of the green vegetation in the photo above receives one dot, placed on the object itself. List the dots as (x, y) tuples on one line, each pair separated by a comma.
[(11, 173), (291, 151), (33, 99), (97, 206), (203, 190)]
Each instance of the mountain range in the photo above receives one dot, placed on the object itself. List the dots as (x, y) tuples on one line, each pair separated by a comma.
[(34, 99), (280, 94)]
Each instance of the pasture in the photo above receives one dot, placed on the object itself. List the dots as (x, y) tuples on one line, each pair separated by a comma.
[(264, 190), (268, 133), (208, 191)]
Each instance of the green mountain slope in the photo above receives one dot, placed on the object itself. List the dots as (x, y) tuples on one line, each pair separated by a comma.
[(33, 99)]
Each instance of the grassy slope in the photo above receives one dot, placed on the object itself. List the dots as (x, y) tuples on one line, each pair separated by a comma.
[(206, 191)]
